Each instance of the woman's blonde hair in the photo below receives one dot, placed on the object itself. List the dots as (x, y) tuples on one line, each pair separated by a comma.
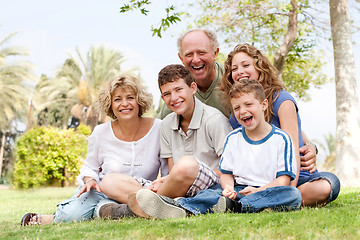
[(126, 82), (267, 76)]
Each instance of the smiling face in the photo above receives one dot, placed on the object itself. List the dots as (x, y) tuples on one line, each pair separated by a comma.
[(124, 104), (242, 66), (179, 97), (249, 111), (198, 56)]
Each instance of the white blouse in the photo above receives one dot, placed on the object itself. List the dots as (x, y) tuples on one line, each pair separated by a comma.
[(107, 154)]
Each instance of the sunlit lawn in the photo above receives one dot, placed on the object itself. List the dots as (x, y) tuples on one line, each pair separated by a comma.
[(338, 220)]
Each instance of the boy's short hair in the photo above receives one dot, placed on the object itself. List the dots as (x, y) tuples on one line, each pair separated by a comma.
[(172, 73), (247, 86)]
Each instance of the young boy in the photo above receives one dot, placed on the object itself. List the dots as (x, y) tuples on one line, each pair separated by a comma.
[(192, 139), (257, 163)]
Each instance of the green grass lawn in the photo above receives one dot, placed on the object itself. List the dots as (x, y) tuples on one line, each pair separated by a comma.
[(338, 220)]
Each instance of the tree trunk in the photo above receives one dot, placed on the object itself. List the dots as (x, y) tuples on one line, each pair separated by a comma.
[(291, 34), (347, 103), (3, 138), (91, 117)]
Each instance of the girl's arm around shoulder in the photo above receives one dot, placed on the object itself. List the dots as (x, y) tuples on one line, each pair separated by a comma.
[(289, 123)]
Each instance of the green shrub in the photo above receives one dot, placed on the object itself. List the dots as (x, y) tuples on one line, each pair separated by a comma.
[(83, 129), (45, 155)]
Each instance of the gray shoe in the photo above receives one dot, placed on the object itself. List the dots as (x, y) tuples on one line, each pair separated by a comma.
[(113, 210), (158, 206), (225, 204), (220, 206)]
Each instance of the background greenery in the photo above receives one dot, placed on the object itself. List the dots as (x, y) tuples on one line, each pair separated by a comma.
[(338, 220), (45, 155)]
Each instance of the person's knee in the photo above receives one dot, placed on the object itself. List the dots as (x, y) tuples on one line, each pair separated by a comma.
[(72, 212), (315, 193), (296, 196), (324, 189), (186, 169), (334, 184), (107, 182)]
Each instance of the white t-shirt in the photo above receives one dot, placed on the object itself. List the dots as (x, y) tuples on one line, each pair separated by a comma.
[(257, 163), (111, 155)]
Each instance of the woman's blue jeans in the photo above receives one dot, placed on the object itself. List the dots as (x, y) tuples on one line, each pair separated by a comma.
[(282, 198), (330, 177), (79, 209)]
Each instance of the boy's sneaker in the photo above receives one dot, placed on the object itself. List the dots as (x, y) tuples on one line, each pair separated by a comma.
[(225, 204), (158, 206), (111, 210), (134, 206)]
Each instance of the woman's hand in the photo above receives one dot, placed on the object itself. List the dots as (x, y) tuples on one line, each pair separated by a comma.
[(308, 160), (92, 184)]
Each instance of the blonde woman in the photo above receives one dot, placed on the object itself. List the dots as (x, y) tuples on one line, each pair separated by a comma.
[(123, 157)]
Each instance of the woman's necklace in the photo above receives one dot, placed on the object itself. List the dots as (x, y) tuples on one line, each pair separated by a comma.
[(137, 126)]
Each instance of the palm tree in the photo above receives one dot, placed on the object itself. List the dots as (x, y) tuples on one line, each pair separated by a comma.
[(81, 79), (15, 86), (330, 150), (54, 97)]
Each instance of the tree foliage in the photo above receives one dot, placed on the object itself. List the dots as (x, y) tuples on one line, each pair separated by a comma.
[(8, 154), (45, 155), (330, 150), (77, 83), (284, 30), (53, 99), (16, 78), (171, 15)]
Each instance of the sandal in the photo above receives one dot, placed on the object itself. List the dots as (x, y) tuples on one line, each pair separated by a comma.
[(31, 219)]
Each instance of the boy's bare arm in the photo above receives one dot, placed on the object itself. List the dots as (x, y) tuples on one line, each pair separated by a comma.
[(227, 184), (170, 163), (279, 181)]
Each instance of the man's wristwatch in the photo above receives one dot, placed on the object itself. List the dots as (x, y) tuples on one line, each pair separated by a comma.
[(314, 145)]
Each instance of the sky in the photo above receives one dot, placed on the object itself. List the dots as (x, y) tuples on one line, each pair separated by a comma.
[(51, 30)]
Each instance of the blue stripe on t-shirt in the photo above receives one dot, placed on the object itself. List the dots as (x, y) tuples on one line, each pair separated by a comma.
[(287, 139)]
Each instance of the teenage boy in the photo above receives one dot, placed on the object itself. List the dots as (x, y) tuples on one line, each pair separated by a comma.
[(192, 137), (257, 166)]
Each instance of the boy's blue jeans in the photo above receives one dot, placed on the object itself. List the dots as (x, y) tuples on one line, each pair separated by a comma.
[(282, 198)]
